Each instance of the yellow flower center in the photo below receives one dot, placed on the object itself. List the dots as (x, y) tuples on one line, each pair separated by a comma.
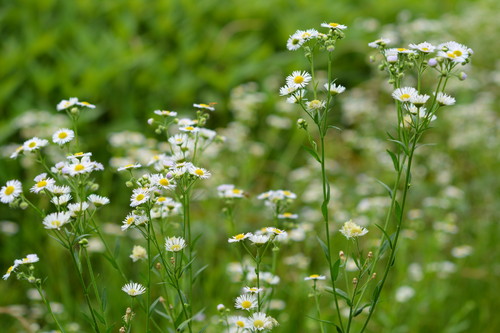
[(246, 304), (240, 323), (405, 96), (425, 49), (287, 214), (458, 53), (79, 154), (239, 236), (130, 220), (175, 247), (205, 105), (287, 192), (451, 55), (161, 199), (41, 183), (128, 165), (10, 269), (56, 223), (32, 145), (189, 128), (139, 197), (85, 103), (236, 191), (298, 79), (333, 25), (79, 167), (314, 276), (258, 323), (356, 230), (199, 172), (9, 190), (164, 182), (62, 135), (401, 49)]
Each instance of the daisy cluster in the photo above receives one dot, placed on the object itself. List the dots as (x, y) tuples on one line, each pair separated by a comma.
[(157, 194), (29, 259)]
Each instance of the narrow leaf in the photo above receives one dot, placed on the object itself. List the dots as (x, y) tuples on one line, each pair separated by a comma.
[(394, 158), (312, 153), (385, 186), (324, 247)]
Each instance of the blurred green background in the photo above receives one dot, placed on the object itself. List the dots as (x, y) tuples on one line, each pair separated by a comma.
[(130, 57)]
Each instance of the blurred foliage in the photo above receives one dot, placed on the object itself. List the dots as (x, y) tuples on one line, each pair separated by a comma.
[(130, 57)]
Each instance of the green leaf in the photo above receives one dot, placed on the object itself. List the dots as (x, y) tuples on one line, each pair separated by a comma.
[(198, 272), (385, 186), (312, 153), (385, 234), (324, 247), (397, 208), (99, 317), (322, 321), (339, 292), (360, 309), (402, 145), (394, 158), (335, 127), (335, 270)]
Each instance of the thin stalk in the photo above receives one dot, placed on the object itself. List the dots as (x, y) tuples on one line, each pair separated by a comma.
[(94, 284), (318, 309), (49, 308)]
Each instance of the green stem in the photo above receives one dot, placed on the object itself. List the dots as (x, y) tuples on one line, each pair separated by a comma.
[(318, 309), (49, 308)]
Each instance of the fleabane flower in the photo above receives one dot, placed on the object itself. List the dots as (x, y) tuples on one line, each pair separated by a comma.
[(246, 302), (299, 79), (132, 219), (259, 321), (297, 97), (29, 259), (333, 25), (134, 289), (162, 181), (252, 290), (165, 113), (239, 237), (199, 172), (381, 42), (288, 89), (334, 89), (203, 106), (16, 152), (63, 136), (34, 144), (229, 191), (178, 139), (79, 166), (423, 47), (295, 41), (454, 51), (279, 235), (61, 200), (259, 239), (10, 270), (10, 191), (315, 277), (405, 94), (56, 220), (67, 103), (42, 182), (138, 253), (175, 244), (98, 200), (139, 196), (315, 105), (189, 129), (419, 100), (237, 321), (288, 215), (352, 230), (444, 100), (129, 167), (78, 208)]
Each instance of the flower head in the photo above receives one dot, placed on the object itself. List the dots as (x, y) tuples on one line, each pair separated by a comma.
[(67, 103), (334, 89), (239, 237), (444, 100), (139, 196), (10, 191), (98, 200), (138, 253), (352, 230), (34, 144), (202, 106), (56, 220), (246, 302), (63, 136), (42, 182), (315, 277), (405, 94), (165, 113), (134, 289), (174, 244), (381, 42), (334, 25), (298, 79), (423, 47)]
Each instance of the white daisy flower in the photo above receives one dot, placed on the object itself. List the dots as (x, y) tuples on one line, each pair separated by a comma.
[(16, 152), (287, 194), (207, 134), (79, 155), (259, 239), (138, 253), (56, 220), (29, 259), (42, 183), (454, 51), (59, 190), (381, 42), (34, 144), (423, 47), (189, 129), (295, 41), (186, 122), (199, 172), (288, 89), (129, 221), (165, 113), (175, 244), (130, 166), (10, 191), (315, 277), (333, 25), (162, 181), (419, 100), (202, 106), (402, 50), (239, 237), (405, 94), (139, 196), (280, 235), (299, 79), (134, 289), (315, 105), (237, 321), (86, 104), (61, 200), (288, 215), (78, 167), (352, 230), (297, 97), (63, 136), (98, 200), (445, 100), (246, 302), (334, 89), (258, 321), (228, 191), (178, 139), (10, 270), (65, 104), (77, 208), (252, 290)]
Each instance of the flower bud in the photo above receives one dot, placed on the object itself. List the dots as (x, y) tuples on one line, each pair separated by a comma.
[(432, 62), (392, 59), (302, 123), (221, 307), (462, 76), (23, 205), (355, 281)]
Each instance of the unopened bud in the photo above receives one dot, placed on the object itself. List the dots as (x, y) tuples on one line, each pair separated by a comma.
[(392, 59), (23, 205), (122, 330), (31, 279), (374, 275), (151, 121), (462, 76), (371, 59), (330, 48), (302, 123), (354, 281), (129, 184), (221, 307), (432, 62), (74, 110), (158, 266), (161, 299), (84, 242), (342, 255), (158, 131), (94, 187), (370, 255)]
